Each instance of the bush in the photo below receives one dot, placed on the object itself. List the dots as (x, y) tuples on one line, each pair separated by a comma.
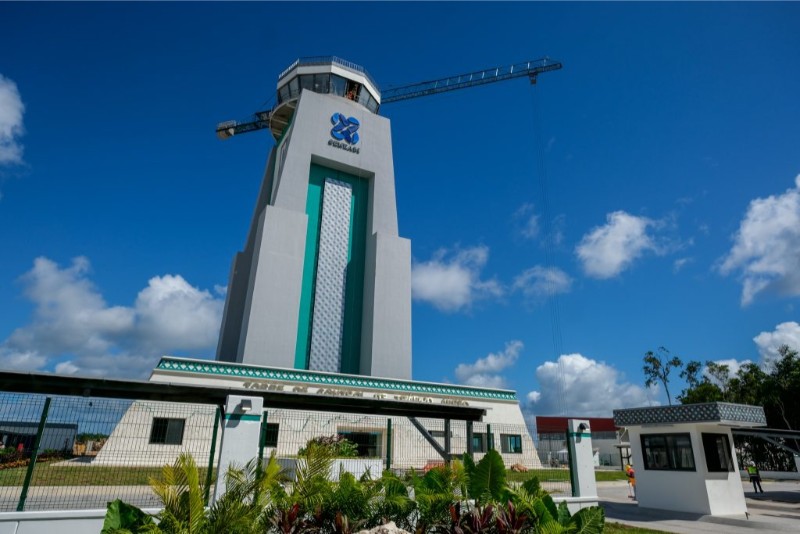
[(339, 447)]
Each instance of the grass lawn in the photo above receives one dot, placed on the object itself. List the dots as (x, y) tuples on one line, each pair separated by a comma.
[(559, 475), (614, 528), (49, 475)]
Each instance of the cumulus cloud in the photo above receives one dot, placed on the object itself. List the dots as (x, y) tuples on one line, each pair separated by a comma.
[(608, 250), (768, 343), (590, 388), (11, 129), (766, 248), (538, 283), (452, 282), (485, 372), (74, 330)]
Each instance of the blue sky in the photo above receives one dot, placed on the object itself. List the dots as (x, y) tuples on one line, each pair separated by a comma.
[(670, 144)]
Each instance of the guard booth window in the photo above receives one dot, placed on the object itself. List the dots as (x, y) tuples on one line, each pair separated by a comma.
[(167, 431), (668, 452), (718, 453)]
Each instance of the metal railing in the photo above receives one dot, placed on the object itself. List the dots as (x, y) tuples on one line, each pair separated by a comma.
[(82, 452)]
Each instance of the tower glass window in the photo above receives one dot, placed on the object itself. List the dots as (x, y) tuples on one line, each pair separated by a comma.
[(717, 449), (668, 452)]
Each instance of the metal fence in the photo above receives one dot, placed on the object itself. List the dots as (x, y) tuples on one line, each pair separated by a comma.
[(82, 452), (62, 452), (396, 444)]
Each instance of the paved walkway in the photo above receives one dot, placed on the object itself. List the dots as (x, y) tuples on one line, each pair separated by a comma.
[(776, 510)]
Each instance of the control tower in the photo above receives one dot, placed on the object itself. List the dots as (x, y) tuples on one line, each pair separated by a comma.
[(324, 280)]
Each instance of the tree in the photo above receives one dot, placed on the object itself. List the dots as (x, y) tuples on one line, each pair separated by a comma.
[(657, 367)]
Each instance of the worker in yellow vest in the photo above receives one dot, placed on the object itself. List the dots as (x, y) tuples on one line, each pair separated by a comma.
[(755, 477)]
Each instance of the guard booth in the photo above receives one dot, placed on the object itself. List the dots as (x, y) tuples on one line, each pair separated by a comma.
[(683, 455)]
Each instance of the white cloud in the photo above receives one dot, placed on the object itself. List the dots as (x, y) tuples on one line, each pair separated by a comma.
[(72, 324), (766, 248), (485, 372), (528, 220), (538, 283), (768, 343), (454, 283), (590, 388), (11, 111), (680, 263), (608, 250), (733, 367)]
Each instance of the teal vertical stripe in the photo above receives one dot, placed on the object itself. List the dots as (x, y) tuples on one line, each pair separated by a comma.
[(354, 291)]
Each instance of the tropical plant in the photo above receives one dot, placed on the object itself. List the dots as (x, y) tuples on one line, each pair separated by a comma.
[(123, 518), (487, 478), (393, 502), (434, 493), (181, 492), (509, 520)]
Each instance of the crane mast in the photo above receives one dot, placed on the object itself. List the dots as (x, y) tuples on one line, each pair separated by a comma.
[(530, 69)]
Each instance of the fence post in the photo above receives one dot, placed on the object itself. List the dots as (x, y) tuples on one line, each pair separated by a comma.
[(388, 443), (447, 441), (581, 456), (32, 463), (262, 439), (210, 471), (470, 444), (240, 432)]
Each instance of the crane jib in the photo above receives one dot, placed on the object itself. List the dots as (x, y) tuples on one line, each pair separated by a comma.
[(531, 69)]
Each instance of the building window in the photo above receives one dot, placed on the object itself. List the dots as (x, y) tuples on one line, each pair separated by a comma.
[(271, 434), (718, 453), (438, 435), (511, 443), (668, 452), (479, 442), (167, 431), (368, 443)]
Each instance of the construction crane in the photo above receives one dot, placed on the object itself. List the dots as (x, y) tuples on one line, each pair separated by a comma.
[(279, 116)]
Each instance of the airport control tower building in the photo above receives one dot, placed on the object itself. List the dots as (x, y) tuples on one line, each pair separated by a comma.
[(324, 280)]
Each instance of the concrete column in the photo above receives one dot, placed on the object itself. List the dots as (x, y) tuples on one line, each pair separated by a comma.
[(581, 466), (241, 430)]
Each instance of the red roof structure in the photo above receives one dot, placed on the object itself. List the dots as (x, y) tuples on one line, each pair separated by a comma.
[(552, 425)]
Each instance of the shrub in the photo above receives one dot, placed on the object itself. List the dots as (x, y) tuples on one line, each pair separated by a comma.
[(339, 446)]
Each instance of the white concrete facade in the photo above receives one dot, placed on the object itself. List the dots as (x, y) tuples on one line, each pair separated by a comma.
[(262, 310), (131, 444)]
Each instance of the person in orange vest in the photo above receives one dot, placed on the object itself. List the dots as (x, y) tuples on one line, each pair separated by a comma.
[(631, 474)]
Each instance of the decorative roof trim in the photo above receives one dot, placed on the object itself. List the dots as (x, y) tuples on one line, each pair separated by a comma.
[(252, 372), (711, 412)]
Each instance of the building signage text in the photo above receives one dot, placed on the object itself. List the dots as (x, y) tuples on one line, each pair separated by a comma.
[(346, 392)]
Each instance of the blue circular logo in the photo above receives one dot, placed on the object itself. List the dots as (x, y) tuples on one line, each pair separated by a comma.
[(345, 128)]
